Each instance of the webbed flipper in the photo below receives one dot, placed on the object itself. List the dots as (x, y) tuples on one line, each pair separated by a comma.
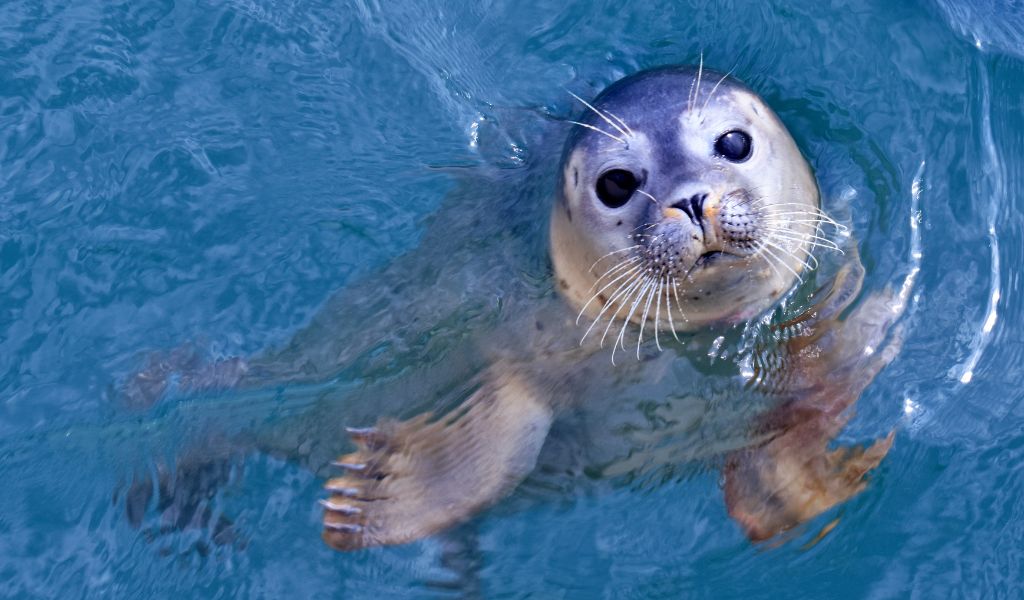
[(817, 374), (410, 479)]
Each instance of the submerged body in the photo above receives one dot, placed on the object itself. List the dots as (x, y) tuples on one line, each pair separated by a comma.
[(682, 205)]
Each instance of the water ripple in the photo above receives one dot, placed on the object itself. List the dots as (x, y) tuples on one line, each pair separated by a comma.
[(203, 176)]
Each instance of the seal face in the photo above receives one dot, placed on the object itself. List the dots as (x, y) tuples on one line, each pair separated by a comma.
[(683, 200)]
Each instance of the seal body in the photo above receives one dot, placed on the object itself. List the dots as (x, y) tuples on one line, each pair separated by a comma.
[(683, 200), (682, 203)]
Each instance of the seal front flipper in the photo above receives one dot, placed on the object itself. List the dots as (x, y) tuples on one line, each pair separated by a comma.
[(791, 475), (414, 478), (186, 369)]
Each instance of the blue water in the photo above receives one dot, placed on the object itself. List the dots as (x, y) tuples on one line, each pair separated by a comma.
[(207, 175)]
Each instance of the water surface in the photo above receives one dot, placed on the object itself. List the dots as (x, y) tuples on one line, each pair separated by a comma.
[(210, 174)]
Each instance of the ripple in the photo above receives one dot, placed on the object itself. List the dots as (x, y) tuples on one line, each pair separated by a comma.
[(207, 175)]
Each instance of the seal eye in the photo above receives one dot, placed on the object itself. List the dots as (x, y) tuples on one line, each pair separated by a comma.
[(616, 187), (734, 145)]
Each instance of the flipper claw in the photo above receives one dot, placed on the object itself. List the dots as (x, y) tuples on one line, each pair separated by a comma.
[(368, 438), (341, 490), (361, 432), (343, 527), (344, 509)]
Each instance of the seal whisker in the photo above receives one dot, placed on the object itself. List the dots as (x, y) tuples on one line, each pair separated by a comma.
[(675, 292), (820, 218), (668, 308), (760, 252), (792, 227), (657, 312), (814, 259), (599, 130), (624, 288), (621, 279), (621, 121), (629, 273), (643, 319), (622, 265), (786, 221), (603, 116), (655, 200), (802, 210), (759, 202), (695, 85), (788, 211), (614, 269), (689, 96), (624, 300), (612, 253), (815, 241), (806, 211), (814, 221), (765, 247), (638, 299), (757, 193), (639, 286), (714, 89), (805, 238), (781, 248), (753, 200), (644, 226), (793, 224)]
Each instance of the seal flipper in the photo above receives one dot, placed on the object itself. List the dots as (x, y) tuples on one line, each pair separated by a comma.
[(412, 479), (185, 369), (186, 493), (793, 478), (791, 475)]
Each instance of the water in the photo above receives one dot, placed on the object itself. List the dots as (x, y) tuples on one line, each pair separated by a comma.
[(206, 175)]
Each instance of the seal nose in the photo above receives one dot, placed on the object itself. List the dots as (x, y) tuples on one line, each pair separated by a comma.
[(693, 207)]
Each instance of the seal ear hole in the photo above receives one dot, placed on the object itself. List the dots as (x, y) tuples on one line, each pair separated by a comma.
[(734, 145), (615, 188)]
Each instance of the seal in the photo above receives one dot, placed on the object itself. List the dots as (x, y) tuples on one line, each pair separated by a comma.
[(685, 203)]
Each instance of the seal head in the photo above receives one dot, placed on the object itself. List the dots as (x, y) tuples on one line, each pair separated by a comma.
[(684, 201)]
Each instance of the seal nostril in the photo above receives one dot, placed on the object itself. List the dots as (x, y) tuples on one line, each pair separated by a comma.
[(697, 205), (693, 207)]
